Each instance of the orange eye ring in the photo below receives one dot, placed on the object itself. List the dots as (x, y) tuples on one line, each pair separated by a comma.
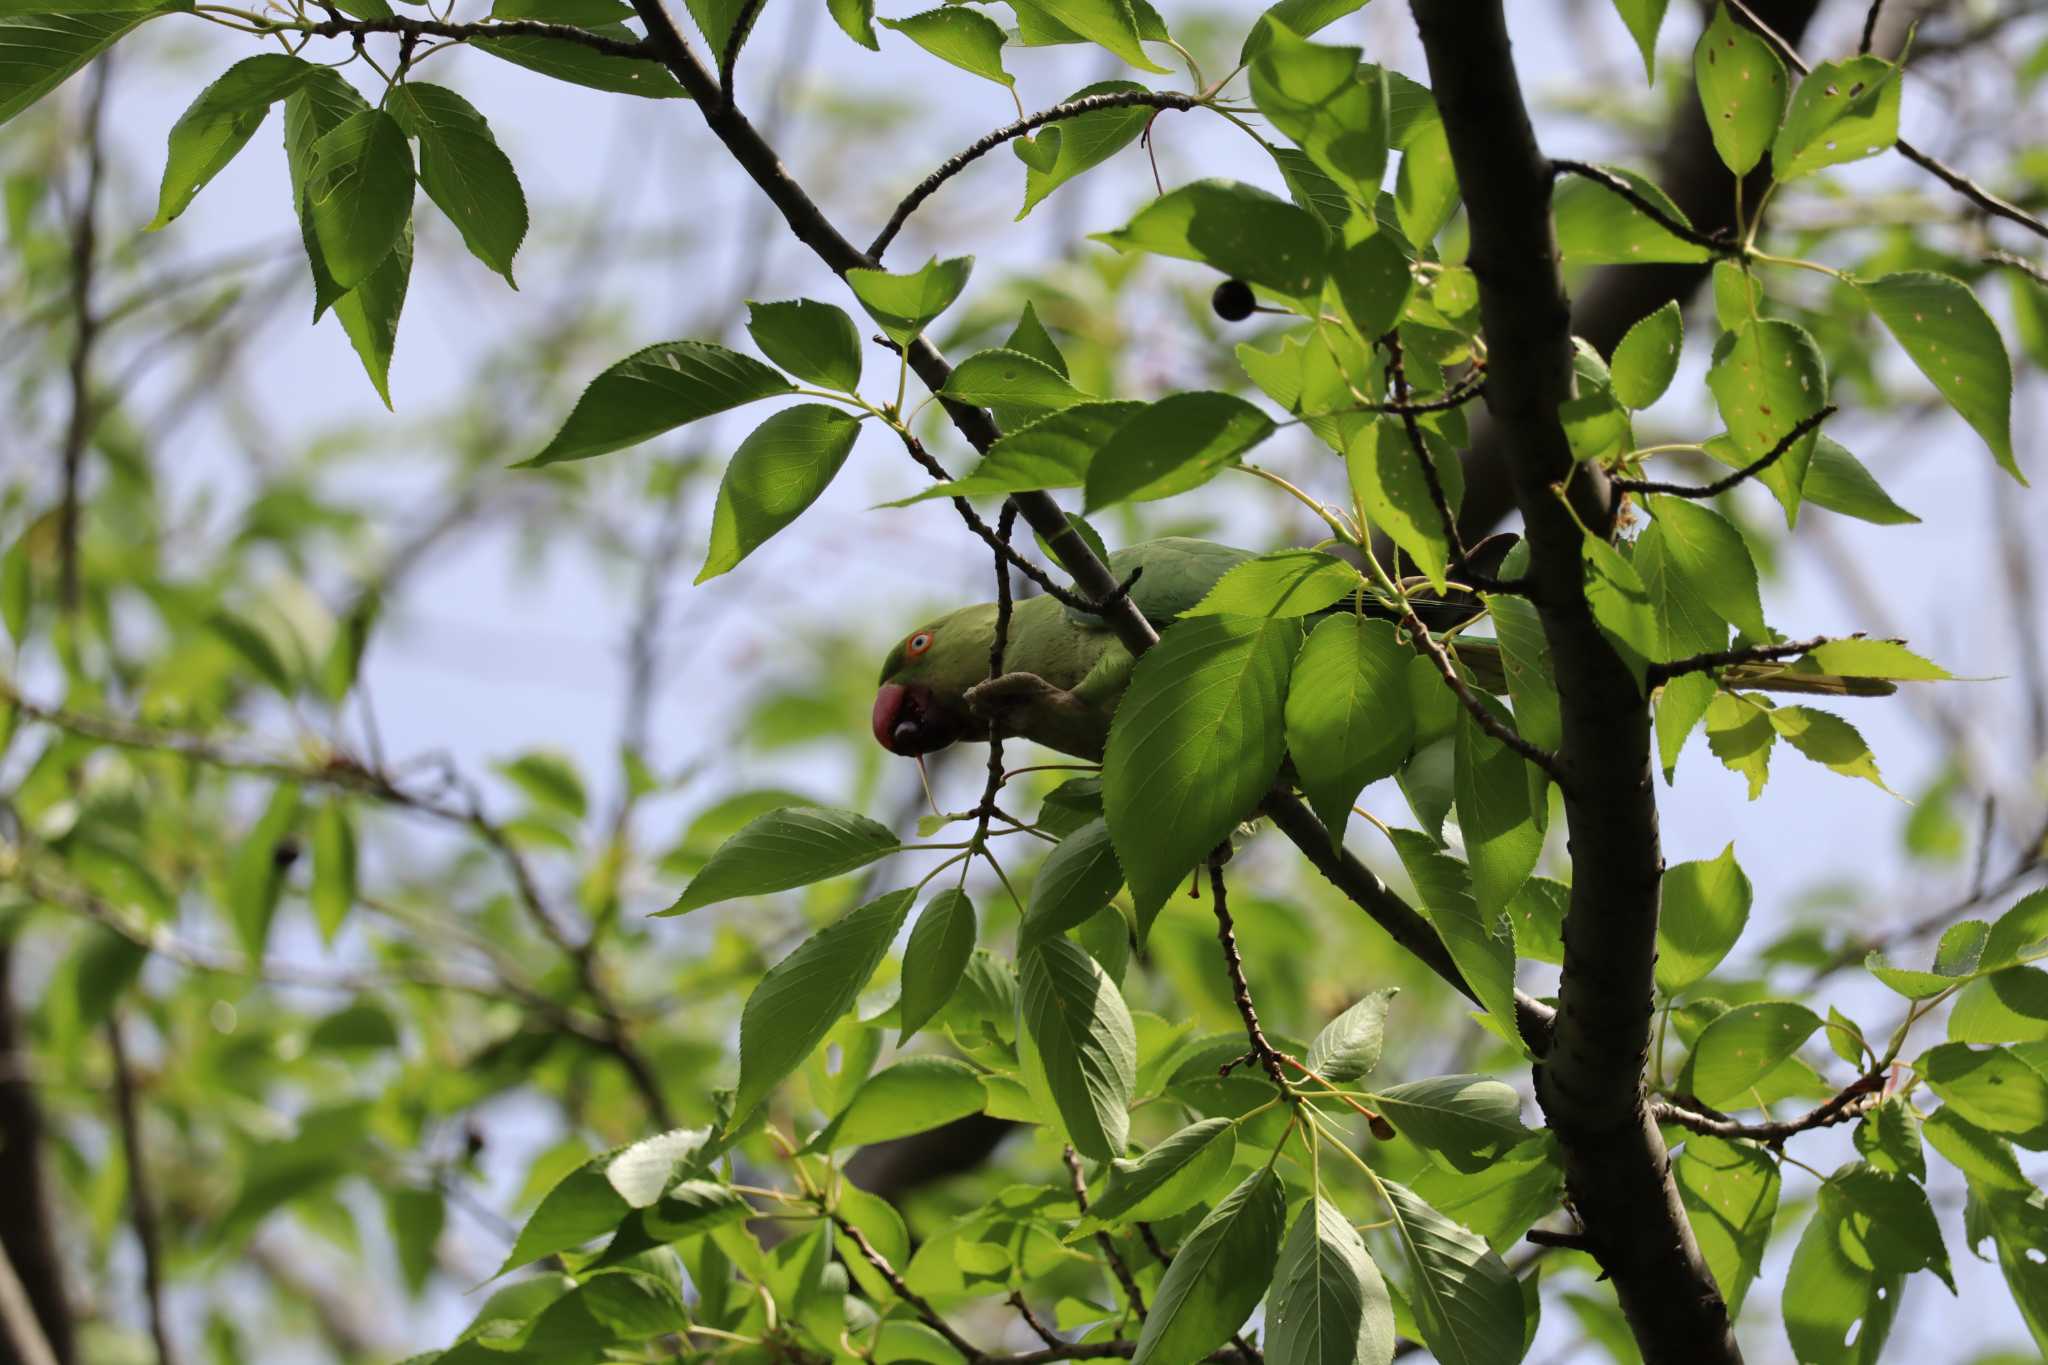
[(917, 644)]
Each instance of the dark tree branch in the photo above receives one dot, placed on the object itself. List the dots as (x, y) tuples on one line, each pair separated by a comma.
[(85, 325), (2021, 264), (1044, 515), (141, 1202), (1264, 1053), (932, 1317), (1748, 471), (982, 146), (1590, 1083), (1849, 1104), (1722, 247), (730, 58), (1724, 658), (19, 1330), (1038, 1329), (34, 1311), (416, 29), (1870, 27), (1117, 1265)]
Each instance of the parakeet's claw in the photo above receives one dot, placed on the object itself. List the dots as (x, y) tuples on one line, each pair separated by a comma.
[(1002, 697)]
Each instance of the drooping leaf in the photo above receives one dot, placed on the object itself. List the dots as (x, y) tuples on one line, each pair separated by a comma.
[(40, 51), (1500, 812), (333, 892), (1484, 954), (656, 390), (778, 471), (1242, 231), (1330, 1304), (1467, 1122), (1052, 452), (1082, 1044), (1991, 1087), (786, 847), (369, 313), (1347, 716), (1386, 475), (802, 996), (1730, 1192), (935, 958), (1332, 107), (904, 304), (1172, 445), (1740, 734), (1194, 746), (1464, 1298), (1171, 1178), (1829, 740), (360, 195), (1647, 357), (1218, 1276), (1706, 905), (464, 172), (256, 874), (1644, 18), (1742, 90), (1939, 323), (965, 37), (219, 123), (1077, 878), (1704, 548), (1374, 283)]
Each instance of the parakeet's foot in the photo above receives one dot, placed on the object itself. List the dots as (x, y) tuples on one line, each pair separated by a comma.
[(1003, 697)]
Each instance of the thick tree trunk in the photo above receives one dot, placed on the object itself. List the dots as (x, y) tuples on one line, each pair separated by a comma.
[(25, 1217)]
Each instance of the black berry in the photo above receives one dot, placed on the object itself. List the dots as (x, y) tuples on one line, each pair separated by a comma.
[(1233, 301)]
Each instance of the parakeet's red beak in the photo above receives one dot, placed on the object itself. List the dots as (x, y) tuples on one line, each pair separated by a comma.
[(889, 704)]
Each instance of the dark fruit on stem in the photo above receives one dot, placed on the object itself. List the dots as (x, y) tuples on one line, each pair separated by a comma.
[(1233, 301)]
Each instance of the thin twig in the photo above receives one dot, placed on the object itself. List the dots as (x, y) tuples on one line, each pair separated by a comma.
[(1263, 1052), (1038, 1329), (85, 331), (1642, 204), (141, 1204), (729, 59), (1870, 27), (1847, 1105), (1118, 1266), (1748, 471), (2021, 264), (932, 1317), (500, 28), (1752, 654), (959, 161)]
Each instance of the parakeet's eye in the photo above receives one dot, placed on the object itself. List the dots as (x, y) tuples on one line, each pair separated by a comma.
[(917, 644)]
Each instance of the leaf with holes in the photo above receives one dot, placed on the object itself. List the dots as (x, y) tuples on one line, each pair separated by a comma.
[(1842, 111), (1742, 90), (1940, 324), (1767, 377)]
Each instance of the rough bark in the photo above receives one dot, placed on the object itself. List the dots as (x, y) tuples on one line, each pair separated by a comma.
[(1590, 1084), (25, 1224)]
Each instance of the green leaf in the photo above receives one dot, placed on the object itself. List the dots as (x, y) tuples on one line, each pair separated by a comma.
[(333, 892), (570, 61), (1466, 1302), (778, 471), (550, 780), (1284, 583), (1705, 549), (1739, 732), (415, 1217), (904, 304), (1730, 1192), (1842, 111), (1053, 452), (1332, 107), (2018, 1225), (1940, 324), (1082, 1044), (360, 195), (915, 1094), (1168, 1180), (802, 996), (786, 847), (1077, 878), (1647, 357), (1349, 1045), (39, 52), (220, 123), (935, 958), (965, 37), (582, 13), (1374, 283), (1468, 1122), (256, 874), (1644, 18), (1347, 716), (1829, 740), (1242, 231), (814, 341), (656, 390), (1742, 90), (856, 19), (1859, 658), (319, 106), (1426, 185), (1330, 1305), (601, 1193), (1706, 905), (1112, 23), (1991, 1088), (1218, 1276), (1596, 226), (1173, 445), (1058, 152), (1740, 1047), (1299, 17), (1485, 956), (1501, 813), (1830, 1300), (369, 313), (463, 171), (1984, 1157), (1622, 605), (1682, 704), (1885, 1221), (1386, 475), (1889, 1135), (1537, 914), (1010, 379), (1767, 378), (1194, 746), (689, 1208)]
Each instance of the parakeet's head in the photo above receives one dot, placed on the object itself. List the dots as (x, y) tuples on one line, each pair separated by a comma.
[(922, 704)]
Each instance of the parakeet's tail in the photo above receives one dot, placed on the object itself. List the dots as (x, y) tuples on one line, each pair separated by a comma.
[(1483, 658)]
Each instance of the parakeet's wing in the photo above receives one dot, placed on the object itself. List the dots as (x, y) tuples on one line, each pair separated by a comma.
[(1178, 572)]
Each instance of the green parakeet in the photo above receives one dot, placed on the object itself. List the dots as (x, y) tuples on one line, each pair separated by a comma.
[(1065, 670)]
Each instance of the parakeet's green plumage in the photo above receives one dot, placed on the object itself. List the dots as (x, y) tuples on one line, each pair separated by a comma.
[(1064, 670)]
